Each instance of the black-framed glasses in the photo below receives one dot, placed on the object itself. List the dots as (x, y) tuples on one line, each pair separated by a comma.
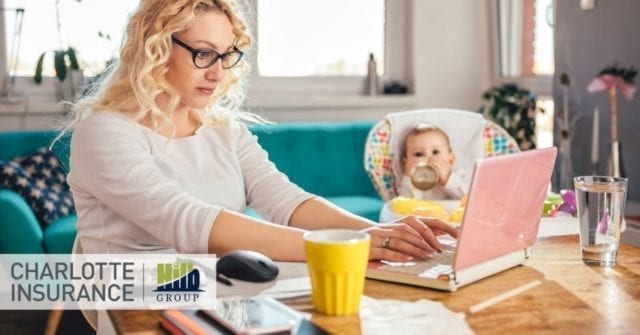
[(204, 58)]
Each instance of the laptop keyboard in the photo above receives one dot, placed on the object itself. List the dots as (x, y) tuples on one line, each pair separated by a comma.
[(439, 264)]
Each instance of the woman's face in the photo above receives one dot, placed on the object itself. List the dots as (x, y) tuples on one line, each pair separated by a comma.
[(210, 30)]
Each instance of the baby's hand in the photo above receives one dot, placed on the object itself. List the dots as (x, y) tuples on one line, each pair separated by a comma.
[(444, 169)]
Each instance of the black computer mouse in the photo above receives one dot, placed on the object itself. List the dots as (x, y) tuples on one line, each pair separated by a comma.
[(248, 266)]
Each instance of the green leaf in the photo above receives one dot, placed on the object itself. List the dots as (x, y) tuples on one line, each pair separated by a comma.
[(514, 108), (37, 77), (60, 64), (73, 60)]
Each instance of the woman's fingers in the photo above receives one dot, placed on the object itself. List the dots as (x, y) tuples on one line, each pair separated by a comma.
[(419, 250), (388, 255), (400, 226), (425, 231), (407, 238), (440, 226), (428, 228), (401, 239)]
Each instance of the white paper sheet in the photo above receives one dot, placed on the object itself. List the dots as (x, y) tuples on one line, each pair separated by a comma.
[(292, 281), (406, 317)]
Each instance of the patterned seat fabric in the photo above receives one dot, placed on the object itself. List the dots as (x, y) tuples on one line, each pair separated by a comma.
[(379, 157), (497, 141), (41, 181)]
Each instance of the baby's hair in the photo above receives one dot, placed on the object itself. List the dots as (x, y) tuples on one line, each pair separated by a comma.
[(425, 127), (421, 128)]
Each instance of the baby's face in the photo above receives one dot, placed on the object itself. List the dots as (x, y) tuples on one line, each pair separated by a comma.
[(426, 147)]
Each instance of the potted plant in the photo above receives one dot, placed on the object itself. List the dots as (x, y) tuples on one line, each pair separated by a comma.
[(514, 109), (66, 66), (62, 60)]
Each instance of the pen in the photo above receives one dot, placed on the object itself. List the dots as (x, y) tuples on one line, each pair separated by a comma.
[(223, 280)]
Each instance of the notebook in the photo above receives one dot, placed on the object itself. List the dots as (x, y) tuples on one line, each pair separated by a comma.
[(498, 229)]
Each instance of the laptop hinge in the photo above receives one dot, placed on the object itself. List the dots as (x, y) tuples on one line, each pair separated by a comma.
[(447, 277)]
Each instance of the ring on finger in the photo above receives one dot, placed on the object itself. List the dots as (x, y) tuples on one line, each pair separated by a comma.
[(385, 242)]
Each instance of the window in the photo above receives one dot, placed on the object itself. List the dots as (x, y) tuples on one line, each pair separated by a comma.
[(94, 28), (293, 45), (321, 48), (305, 46), (523, 38)]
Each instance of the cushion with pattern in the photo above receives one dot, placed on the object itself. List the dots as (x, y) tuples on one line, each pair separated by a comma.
[(39, 179)]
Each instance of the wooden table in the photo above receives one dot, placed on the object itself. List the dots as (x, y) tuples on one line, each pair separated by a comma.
[(560, 295)]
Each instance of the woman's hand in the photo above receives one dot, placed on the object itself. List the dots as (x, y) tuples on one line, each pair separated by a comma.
[(407, 238)]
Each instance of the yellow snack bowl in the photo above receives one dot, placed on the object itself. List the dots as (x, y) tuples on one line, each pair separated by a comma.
[(430, 212), (456, 216), (405, 206)]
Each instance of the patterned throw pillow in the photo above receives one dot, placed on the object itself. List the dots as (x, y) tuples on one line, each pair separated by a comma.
[(39, 179)]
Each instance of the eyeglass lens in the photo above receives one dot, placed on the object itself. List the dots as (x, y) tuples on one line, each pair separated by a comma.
[(206, 58)]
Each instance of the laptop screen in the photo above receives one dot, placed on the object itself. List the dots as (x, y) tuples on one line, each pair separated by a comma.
[(505, 205)]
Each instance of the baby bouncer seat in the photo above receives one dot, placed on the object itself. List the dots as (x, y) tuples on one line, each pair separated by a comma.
[(470, 135)]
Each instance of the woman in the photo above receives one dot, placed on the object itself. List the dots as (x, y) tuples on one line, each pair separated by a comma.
[(160, 162)]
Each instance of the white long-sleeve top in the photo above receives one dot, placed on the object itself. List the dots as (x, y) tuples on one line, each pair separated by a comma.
[(137, 191)]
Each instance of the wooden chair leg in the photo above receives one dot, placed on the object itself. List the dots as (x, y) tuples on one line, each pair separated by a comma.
[(53, 321)]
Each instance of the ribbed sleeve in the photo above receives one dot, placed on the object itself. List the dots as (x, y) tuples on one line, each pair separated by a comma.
[(268, 190)]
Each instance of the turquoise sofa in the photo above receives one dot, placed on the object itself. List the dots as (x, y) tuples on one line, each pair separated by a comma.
[(323, 158), (20, 231)]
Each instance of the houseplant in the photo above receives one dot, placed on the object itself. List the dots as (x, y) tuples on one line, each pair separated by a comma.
[(66, 65), (62, 60), (514, 109)]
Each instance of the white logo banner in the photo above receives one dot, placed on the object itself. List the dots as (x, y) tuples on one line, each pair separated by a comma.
[(107, 281)]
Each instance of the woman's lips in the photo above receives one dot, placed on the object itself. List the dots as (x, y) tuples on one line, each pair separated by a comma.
[(206, 90)]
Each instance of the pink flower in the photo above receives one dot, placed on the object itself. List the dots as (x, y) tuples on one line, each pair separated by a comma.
[(607, 81)]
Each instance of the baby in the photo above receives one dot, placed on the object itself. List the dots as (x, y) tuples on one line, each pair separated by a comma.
[(429, 144)]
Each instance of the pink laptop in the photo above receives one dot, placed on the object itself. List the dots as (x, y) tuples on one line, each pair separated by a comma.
[(499, 226)]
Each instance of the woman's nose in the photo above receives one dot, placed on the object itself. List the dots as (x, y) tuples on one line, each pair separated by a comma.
[(215, 72)]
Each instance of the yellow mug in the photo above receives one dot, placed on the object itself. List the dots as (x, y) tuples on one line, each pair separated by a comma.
[(337, 260)]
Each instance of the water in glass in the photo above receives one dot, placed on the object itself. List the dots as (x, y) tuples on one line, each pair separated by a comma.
[(600, 211)]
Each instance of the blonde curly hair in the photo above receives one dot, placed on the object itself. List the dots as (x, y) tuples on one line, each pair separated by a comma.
[(132, 84)]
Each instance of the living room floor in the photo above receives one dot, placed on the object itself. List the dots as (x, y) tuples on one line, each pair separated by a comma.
[(33, 322)]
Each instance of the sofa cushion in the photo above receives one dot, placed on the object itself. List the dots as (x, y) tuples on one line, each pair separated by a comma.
[(23, 142), (20, 231), (60, 234), (323, 158), (40, 180)]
